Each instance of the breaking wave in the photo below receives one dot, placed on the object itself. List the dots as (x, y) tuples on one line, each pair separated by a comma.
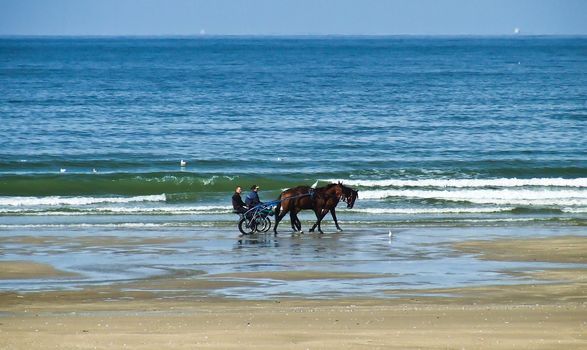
[(467, 183), (74, 201)]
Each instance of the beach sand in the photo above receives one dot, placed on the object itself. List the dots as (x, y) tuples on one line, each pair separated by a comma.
[(551, 314)]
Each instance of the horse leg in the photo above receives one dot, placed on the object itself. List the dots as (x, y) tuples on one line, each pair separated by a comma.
[(279, 217), (333, 213), (296, 225), (292, 220), (319, 218), (299, 224), (322, 215), (316, 223)]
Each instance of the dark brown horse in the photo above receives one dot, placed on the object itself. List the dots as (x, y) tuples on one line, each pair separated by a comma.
[(321, 200)]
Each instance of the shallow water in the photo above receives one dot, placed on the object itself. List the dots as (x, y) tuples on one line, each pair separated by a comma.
[(356, 262), (460, 126)]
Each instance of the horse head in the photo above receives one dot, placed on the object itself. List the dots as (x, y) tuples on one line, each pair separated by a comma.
[(348, 195)]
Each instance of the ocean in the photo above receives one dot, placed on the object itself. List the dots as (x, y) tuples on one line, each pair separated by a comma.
[(434, 133)]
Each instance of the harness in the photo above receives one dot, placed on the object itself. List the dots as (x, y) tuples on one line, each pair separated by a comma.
[(311, 193)]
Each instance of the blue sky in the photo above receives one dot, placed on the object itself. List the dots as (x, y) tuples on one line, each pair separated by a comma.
[(292, 17)]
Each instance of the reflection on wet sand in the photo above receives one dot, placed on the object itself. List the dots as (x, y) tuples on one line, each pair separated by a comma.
[(356, 263)]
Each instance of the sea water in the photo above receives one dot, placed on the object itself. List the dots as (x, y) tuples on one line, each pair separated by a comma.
[(433, 131)]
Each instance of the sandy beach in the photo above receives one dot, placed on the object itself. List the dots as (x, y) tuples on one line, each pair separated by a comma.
[(551, 314)]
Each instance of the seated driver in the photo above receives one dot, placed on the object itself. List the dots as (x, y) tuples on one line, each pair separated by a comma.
[(253, 197), (237, 202)]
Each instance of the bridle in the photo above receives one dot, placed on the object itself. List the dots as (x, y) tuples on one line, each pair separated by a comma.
[(348, 199)]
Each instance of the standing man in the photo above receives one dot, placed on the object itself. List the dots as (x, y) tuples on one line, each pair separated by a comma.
[(253, 197), (237, 202)]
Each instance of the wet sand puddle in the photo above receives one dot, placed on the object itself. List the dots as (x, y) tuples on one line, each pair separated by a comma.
[(195, 262)]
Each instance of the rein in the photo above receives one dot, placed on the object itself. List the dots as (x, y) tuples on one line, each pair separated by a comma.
[(311, 193)]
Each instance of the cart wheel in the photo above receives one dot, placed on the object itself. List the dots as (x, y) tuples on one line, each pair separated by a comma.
[(246, 229), (263, 224), (258, 226), (266, 224)]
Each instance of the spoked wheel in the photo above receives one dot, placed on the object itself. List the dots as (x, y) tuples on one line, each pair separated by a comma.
[(247, 228), (266, 225)]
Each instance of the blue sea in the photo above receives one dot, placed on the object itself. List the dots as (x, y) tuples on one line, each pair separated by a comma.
[(465, 134)]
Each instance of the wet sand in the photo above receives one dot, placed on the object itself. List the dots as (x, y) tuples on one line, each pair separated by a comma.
[(28, 269), (565, 249), (548, 314)]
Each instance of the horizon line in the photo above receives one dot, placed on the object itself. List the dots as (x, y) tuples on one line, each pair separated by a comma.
[(199, 35)]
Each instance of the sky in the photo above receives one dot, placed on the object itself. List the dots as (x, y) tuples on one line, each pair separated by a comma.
[(293, 17)]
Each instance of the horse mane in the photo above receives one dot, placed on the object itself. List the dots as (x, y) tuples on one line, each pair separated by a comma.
[(325, 188)]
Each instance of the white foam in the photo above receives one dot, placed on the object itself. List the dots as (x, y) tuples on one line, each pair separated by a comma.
[(167, 210), (462, 183), (112, 225), (210, 181), (575, 210), (520, 197), (74, 201), (432, 210), (170, 209)]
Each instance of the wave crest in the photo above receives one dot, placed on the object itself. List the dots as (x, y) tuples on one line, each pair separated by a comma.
[(74, 201), (466, 183)]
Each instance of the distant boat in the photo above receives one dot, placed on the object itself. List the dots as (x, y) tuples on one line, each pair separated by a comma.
[(62, 170), (182, 163)]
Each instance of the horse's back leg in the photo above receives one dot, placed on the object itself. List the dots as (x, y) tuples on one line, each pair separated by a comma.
[(316, 223), (284, 209), (296, 225), (319, 217)]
